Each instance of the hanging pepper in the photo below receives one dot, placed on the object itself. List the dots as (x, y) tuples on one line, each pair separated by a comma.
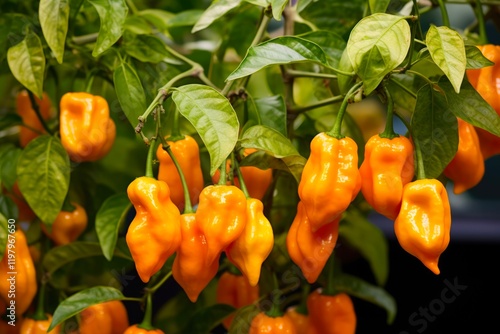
[(234, 290), (25, 278), (5, 328), (187, 153), (134, 329), (25, 212), (222, 215), (87, 131), (330, 179), (485, 81), (33, 126), (423, 224), (332, 314), (386, 168), (154, 234), (302, 322), (191, 269), (104, 318), (32, 326), (466, 169), (310, 250), (262, 323), (68, 226), (254, 245)]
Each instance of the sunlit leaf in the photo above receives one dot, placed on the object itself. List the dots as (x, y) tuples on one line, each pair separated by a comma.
[(112, 15), (54, 16)]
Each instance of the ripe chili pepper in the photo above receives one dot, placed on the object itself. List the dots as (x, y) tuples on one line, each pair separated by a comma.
[(222, 215), (5, 328), (485, 81), (187, 153), (330, 179), (263, 323), (154, 234), (254, 245), (134, 329), (68, 226), (104, 318), (32, 326), (302, 322), (235, 290), (386, 168), (87, 131), (25, 212), (191, 269), (332, 314), (25, 282), (310, 250), (466, 169), (423, 224), (29, 116)]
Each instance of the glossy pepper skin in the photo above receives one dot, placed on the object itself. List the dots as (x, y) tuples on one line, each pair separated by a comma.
[(254, 245), (466, 169), (330, 179), (68, 226), (264, 324), (187, 153), (222, 215), (191, 269), (388, 165), (423, 224), (234, 290), (302, 322), (87, 131), (134, 329), (310, 250), (32, 326), (486, 81), (332, 314), (26, 283), (155, 233), (104, 318), (29, 117)]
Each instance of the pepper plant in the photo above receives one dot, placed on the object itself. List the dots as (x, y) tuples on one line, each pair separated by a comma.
[(255, 138)]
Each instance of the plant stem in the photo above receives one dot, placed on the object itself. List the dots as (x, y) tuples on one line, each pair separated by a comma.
[(305, 74), (188, 208), (160, 283), (149, 159), (444, 13), (335, 132), (329, 288), (148, 315), (40, 309), (420, 160), (478, 10), (223, 174), (132, 6), (403, 87), (325, 102), (85, 39), (240, 178), (35, 107), (389, 127)]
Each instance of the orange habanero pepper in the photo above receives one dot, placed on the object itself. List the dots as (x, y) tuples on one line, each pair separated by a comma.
[(332, 314), (135, 329), (29, 116), (264, 324), (32, 326), (104, 318), (68, 226)]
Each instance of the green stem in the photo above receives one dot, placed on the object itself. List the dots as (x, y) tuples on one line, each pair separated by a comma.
[(35, 107), (336, 130), (160, 283), (444, 13), (149, 159), (403, 87), (422, 76), (389, 127), (306, 74), (420, 161), (275, 310), (223, 174), (478, 10), (176, 132), (330, 288), (188, 208), (40, 309), (132, 6), (85, 39), (415, 26), (240, 178), (148, 315), (416, 12), (302, 307), (325, 102)]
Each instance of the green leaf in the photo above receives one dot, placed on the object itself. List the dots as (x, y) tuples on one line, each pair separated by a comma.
[(378, 6), (27, 63), (4, 34), (185, 18), (359, 288), (471, 107), (369, 240), (475, 58), (112, 14), (278, 51), (137, 25), (145, 48), (78, 302), (208, 318), (345, 82), (332, 44), (278, 6), (8, 166), (267, 139), (376, 46), (293, 164), (243, 318), (54, 16), (10, 120), (272, 111), (159, 18), (43, 172), (213, 118), (8, 207), (261, 3), (447, 50), (434, 130), (108, 221), (215, 11), (3, 234)]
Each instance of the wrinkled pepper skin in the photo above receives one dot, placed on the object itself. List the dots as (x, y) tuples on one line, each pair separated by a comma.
[(254, 245), (29, 117), (264, 324), (155, 232), (68, 226), (31, 326), (330, 179), (466, 169), (191, 269), (187, 153), (310, 250), (332, 314), (423, 224), (87, 131), (134, 329), (222, 215), (234, 290), (104, 318), (302, 322), (388, 165), (26, 283), (486, 81)]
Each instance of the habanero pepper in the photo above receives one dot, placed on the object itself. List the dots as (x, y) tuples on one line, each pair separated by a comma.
[(68, 226), (187, 154), (262, 323), (33, 126), (5, 328), (302, 322), (87, 131), (387, 166), (104, 318), (135, 329), (32, 326), (424, 221), (330, 179), (25, 212), (332, 314), (155, 232)]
